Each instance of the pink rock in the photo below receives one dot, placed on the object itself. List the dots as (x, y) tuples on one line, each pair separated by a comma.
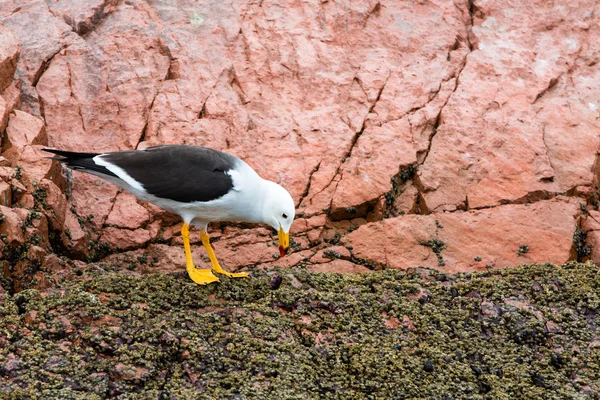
[(4, 114), (12, 95), (82, 16), (340, 266), (314, 235), (18, 227), (591, 226), (166, 258), (125, 239), (127, 213), (9, 101), (102, 88), (35, 164), (494, 235), (291, 260), (24, 129), (390, 322), (11, 226), (593, 239), (497, 104), (5, 194), (92, 197), (367, 174), (330, 253), (55, 201), (54, 263), (591, 222), (406, 201), (154, 229), (21, 198), (74, 238), (518, 139), (41, 36), (9, 55), (237, 256), (302, 225)]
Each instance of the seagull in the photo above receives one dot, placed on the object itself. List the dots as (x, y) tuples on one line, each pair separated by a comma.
[(199, 184)]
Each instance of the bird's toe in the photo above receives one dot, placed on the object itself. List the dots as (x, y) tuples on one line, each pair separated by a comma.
[(234, 274), (202, 276)]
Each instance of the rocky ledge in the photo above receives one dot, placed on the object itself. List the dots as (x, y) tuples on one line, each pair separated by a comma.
[(527, 332)]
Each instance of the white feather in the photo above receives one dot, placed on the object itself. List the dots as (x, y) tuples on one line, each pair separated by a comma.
[(120, 172)]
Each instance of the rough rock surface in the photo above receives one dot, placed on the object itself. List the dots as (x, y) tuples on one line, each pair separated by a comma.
[(525, 332), (380, 117), (471, 240)]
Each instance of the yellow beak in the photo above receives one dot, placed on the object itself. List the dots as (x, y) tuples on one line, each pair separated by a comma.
[(284, 242)]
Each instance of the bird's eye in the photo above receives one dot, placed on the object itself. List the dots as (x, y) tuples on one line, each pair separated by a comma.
[(284, 216)]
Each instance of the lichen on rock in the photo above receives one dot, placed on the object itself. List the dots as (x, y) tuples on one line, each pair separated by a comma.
[(530, 331)]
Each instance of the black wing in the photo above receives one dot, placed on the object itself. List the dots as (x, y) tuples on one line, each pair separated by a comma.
[(176, 172)]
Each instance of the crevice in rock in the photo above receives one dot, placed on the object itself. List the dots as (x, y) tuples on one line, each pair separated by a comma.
[(547, 179), (142, 136), (88, 25), (438, 121), (357, 211), (551, 84), (42, 111), (596, 173), (405, 175), (473, 10), (375, 11), (529, 198), (358, 134), (353, 142), (113, 201), (202, 113), (82, 119), (422, 156), (237, 87), (173, 70), (580, 251), (72, 94), (148, 116), (307, 188), (44, 66)]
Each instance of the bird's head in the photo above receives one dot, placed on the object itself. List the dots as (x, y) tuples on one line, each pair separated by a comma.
[(279, 212)]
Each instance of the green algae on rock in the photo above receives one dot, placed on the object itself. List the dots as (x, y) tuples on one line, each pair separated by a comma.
[(527, 332)]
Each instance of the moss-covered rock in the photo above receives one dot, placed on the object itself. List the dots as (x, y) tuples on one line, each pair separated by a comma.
[(527, 332)]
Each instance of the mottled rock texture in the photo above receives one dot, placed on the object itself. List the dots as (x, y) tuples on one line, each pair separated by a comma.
[(526, 332), (456, 135)]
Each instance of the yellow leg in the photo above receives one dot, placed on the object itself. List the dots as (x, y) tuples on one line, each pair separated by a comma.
[(213, 259), (200, 276)]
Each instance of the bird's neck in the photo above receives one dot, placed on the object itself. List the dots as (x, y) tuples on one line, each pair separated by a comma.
[(256, 204)]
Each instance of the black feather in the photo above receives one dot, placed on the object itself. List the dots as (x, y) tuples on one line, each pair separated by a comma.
[(80, 161)]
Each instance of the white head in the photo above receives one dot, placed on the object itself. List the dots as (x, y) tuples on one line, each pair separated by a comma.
[(279, 212)]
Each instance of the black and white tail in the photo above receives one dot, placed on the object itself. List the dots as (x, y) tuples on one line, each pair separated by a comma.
[(80, 161)]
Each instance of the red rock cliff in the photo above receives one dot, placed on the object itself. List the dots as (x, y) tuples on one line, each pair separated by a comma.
[(455, 135)]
